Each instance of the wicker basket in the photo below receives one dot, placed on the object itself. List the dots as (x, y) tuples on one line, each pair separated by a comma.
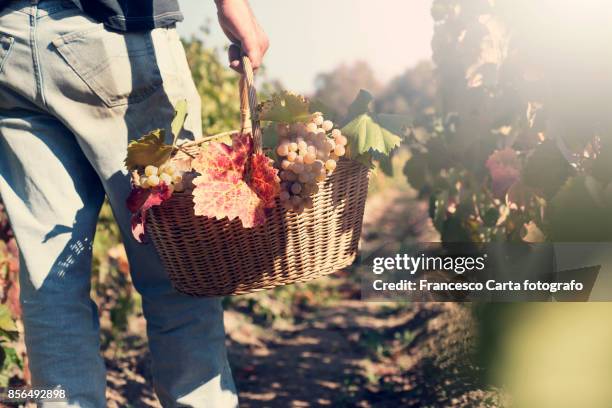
[(210, 257)]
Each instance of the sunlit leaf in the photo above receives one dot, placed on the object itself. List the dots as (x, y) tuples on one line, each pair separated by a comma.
[(231, 199), (218, 161), (264, 179), (285, 107), (228, 188), (180, 113), (150, 149), (366, 135)]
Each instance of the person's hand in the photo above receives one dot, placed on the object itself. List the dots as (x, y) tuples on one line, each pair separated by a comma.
[(243, 30)]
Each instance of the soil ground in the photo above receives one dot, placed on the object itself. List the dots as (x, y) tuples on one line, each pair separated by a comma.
[(333, 349)]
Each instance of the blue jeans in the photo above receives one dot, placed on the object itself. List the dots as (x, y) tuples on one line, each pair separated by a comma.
[(72, 95)]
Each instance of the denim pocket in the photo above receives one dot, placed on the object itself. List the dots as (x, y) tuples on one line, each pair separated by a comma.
[(120, 68), (6, 44)]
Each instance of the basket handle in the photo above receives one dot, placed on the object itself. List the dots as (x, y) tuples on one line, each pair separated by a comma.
[(248, 105)]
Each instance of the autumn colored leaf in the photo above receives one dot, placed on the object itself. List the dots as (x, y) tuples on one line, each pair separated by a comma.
[(140, 201), (220, 199), (264, 179), (227, 188), (152, 149), (219, 161), (149, 149), (504, 167)]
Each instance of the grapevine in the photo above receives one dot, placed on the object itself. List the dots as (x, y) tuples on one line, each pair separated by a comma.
[(511, 155)]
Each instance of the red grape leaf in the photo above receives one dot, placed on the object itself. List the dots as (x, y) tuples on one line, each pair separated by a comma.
[(218, 161), (504, 167), (219, 199), (141, 200), (226, 189), (264, 179)]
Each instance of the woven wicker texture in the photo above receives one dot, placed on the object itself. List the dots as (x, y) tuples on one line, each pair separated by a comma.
[(209, 257)]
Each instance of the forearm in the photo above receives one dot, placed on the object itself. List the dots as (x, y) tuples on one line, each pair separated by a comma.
[(241, 27)]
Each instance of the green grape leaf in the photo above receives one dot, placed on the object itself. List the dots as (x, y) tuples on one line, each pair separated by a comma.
[(180, 113), (149, 149), (360, 105), (366, 135), (7, 324), (285, 107)]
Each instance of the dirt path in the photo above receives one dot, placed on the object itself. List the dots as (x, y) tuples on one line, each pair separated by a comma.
[(328, 348), (325, 361), (328, 358)]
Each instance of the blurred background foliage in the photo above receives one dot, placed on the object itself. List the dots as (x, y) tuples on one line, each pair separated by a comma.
[(510, 142)]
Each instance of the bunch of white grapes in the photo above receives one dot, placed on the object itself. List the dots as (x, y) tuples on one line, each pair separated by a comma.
[(166, 173), (308, 153)]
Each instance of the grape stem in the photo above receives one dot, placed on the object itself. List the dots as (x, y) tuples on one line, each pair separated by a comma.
[(205, 139), (185, 151)]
